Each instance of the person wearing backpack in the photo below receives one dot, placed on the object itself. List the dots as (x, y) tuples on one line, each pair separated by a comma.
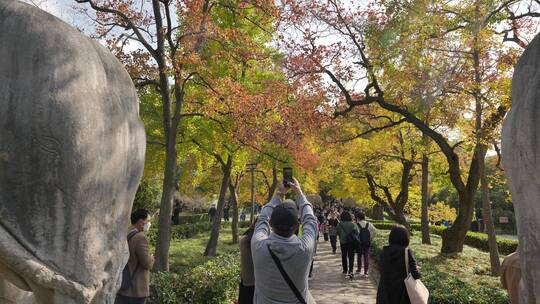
[(349, 240), (367, 233), (135, 287)]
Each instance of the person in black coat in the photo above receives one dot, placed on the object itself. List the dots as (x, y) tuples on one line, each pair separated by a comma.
[(391, 288)]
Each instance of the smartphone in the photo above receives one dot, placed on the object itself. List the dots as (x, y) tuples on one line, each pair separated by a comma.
[(287, 176)]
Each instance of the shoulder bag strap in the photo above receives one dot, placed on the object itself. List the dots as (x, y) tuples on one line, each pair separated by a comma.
[(407, 260), (286, 277), (129, 237)]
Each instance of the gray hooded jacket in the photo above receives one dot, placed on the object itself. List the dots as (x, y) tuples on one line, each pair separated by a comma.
[(294, 253)]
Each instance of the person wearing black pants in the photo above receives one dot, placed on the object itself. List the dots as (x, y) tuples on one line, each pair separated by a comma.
[(344, 228), (332, 231), (347, 253)]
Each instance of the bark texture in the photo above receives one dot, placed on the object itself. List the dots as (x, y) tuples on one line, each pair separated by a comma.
[(521, 154), (71, 157)]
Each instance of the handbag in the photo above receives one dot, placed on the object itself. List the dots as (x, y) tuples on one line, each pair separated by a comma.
[(417, 291), (286, 277)]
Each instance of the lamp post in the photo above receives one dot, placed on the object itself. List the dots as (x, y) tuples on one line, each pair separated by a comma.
[(251, 168)]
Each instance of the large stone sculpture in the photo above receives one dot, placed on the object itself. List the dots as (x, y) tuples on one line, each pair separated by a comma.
[(521, 160), (71, 157)]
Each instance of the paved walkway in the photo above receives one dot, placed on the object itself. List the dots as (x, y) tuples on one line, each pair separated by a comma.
[(328, 286)]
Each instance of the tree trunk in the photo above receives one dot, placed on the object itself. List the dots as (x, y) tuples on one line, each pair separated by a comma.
[(490, 227), (399, 217), (274, 185), (453, 238), (216, 224), (378, 212), (170, 125), (425, 195), (252, 216), (165, 210), (234, 204)]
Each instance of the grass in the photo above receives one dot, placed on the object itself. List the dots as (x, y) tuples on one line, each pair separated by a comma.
[(188, 253)]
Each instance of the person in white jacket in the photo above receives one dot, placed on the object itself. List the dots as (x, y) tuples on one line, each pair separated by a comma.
[(367, 234)]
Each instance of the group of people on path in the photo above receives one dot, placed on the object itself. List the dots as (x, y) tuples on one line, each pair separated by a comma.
[(355, 235), (276, 263)]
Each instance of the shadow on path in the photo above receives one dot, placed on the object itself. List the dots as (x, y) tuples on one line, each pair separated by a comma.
[(328, 286)]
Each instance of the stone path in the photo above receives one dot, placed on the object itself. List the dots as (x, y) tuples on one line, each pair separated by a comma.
[(328, 286)]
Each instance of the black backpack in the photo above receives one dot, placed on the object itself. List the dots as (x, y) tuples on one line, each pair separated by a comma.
[(127, 277), (365, 235), (353, 238)]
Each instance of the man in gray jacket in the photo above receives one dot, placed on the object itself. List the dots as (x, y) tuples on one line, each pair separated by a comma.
[(274, 234)]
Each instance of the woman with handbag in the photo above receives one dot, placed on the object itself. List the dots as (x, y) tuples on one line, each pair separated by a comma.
[(395, 264)]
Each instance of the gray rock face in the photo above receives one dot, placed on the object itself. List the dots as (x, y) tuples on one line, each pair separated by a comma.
[(71, 157), (521, 159)]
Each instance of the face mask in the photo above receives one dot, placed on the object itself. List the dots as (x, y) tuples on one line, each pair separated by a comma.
[(147, 226)]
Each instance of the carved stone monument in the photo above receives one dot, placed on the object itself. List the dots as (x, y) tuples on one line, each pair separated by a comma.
[(521, 160), (71, 157)]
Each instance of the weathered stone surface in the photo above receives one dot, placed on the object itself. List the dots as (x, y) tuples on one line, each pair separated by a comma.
[(521, 160), (71, 157)]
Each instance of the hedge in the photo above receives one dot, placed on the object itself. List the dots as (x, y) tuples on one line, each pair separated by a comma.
[(446, 288), (186, 231), (194, 218), (474, 239), (213, 282)]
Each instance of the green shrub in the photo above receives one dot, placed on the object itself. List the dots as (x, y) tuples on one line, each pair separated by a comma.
[(148, 196), (474, 239), (194, 218), (186, 231), (244, 224), (179, 232), (214, 282), (164, 287)]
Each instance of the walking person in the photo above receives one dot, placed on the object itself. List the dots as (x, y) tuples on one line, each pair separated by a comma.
[(226, 213), (140, 262), (247, 275), (176, 213), (212, 212), (325, 229), (332, 231), (391, 289), (367, 233), (345, 229), (281, 259)]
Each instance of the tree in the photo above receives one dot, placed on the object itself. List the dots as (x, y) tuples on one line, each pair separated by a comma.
[(170, 36), (346, 62)]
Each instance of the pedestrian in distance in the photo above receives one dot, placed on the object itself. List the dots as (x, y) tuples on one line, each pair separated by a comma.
[(243, 215), (176, 213), (367, 233), (332, 230), (348, 238), (135, 286), (226, 213), (391, 289), (281, 259), (212, 212)]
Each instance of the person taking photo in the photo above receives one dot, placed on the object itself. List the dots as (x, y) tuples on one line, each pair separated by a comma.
[(281, 259)]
